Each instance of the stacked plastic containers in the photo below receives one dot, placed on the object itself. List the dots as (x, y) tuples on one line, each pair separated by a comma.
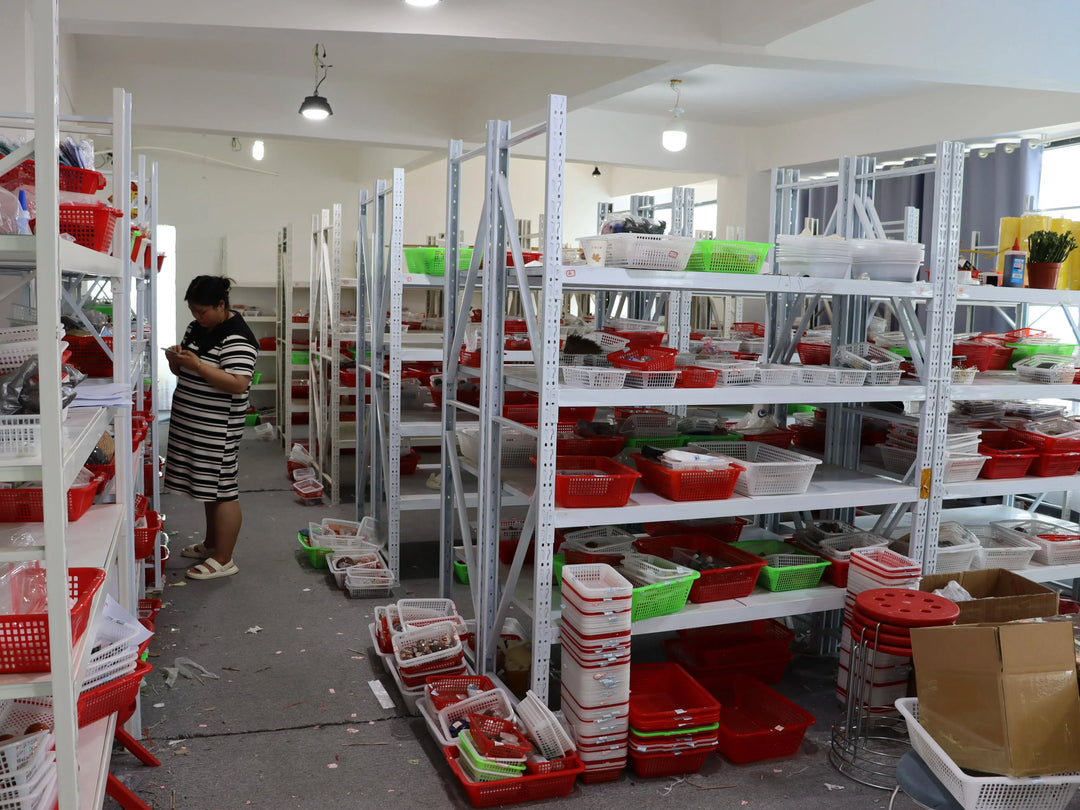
[(595, 640), (870, 569), (673, 721)]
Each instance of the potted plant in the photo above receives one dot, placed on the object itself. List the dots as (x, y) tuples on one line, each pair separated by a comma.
[(1046, 251)]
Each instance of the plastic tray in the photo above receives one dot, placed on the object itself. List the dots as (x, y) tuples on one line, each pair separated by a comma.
[(644, 358), (734, 577), (662, 598), (114, 696), (543, 727), (1046, 464), (720, 256), (577, 485), (27, 505), (1058, 545), (524, 788), (1050, 436), (664, 697), (697, 377), (688, 485), (1002, 550), (592, 377), (758, 723), (726, 529), (651, 379), (1012, 461), (792, 574), (649, 766), (1049, 369), (72, 178), (24, 638), (572, 444), (985, 792), (648, 251), (767, 470)]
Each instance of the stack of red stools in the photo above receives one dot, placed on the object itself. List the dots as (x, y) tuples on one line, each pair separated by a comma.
[(673, 721), (595, 639)]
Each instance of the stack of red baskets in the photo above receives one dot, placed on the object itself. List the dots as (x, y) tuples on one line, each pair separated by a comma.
[(673, 721), (595, 640), (434, 649), (714, 656)]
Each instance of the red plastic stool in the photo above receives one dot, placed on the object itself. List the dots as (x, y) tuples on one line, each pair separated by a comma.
[(121, 793), (906, 608)]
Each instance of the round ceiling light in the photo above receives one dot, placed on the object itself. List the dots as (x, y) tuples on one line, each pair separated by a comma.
[(422, 3)]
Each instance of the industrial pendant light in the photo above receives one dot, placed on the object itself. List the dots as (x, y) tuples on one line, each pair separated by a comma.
[(674, 136), (315, 106)]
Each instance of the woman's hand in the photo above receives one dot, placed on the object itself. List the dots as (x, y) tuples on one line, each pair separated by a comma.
[(185, 359), (172, 356)]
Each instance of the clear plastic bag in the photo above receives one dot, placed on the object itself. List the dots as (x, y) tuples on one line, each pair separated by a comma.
[(633, 224), (300, 455), (22, 588)]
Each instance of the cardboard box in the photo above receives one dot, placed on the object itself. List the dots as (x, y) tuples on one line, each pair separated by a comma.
[(1001, 699), (1000, 596)]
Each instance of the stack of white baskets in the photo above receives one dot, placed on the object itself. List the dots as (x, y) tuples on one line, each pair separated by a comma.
[(595, 639)]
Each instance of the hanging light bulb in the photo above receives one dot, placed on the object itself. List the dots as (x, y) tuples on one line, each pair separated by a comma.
[(674, 136), (315, 107), (258, 150)]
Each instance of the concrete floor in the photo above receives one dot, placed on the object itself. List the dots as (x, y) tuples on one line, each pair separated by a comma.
[(291, 721)]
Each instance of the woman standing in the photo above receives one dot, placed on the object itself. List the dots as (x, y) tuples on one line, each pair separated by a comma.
[(214, 364)]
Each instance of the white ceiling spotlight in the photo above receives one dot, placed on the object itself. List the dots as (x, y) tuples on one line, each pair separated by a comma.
[(422, 3), (674, 136), (258, 150), (315, 107)]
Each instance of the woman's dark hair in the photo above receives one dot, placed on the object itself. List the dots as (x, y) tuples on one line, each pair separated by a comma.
[(207, 291)]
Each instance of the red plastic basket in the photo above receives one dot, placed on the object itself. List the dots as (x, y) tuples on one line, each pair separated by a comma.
[(300, 390), (1009, 461), (755, 329), (146, 537), (644, 358), (1047, 444), (72, 178), (92, 226), (742, 641), (697, 377), (649, 766), (529, 413), (515, 326), (24, 638), (1055, 464), (717, 679), (88, 357), (571, 444), (985, 355), (814, 354), (141, 504), (734, 576), (809, 437), (445, 691), (688, 485), (347, 378), (638, 338), (663, 697), (470, 359), (27, 505), (777, 437), (410, 462), (758, 723), (726, 529), (115, 696), (528, 788), (106, 472), (496, 738), (601, 482)]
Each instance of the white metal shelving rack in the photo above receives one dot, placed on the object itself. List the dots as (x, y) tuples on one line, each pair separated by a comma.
[(268, 360), (837, 486), (103, 538), (290, 292)]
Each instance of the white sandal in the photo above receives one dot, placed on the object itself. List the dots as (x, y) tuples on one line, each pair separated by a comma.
[(214, 569)]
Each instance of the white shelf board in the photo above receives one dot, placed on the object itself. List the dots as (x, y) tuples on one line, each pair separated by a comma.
[(19, 253), (94, 751), (992, 487), (991, 387), (81, 431), (260, 318), (422, 355), (727, 395), (426, 424), (267, 352), (422, 281), (1006, 296), (831, 488), (263, 387), (577, 277)]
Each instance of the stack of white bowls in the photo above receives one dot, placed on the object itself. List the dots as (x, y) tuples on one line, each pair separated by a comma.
[(819, 256), (885, 259)]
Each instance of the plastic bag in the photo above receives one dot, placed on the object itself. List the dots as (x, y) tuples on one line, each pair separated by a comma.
[(955, 592), (756, 419), (22, 588), (633, 224), (300, 455)]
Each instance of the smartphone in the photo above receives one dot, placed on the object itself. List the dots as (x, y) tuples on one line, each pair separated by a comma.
[(169, 351)]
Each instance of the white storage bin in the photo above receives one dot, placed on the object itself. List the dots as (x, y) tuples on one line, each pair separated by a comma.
[(597, 581), (596, 686), (767, 470), (1002, 550), (1064, 551), (588, 624), (775, 374), (591, 377), (543, 727), (648, 251), (651, 379)]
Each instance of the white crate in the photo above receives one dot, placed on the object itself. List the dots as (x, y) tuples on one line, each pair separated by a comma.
[(767, 470), (408, 641), (20, 435), (648, 251), (592, 377), (597, 581), (813, 375), (517, 447), (1002, 550), (1050, 369), (494, 703), (846, 376), (985, 792), (1050, 552), (543, 727), (13, 355), (774, 374), (361, 584), (651, 379), (736, 373), (959, 467)]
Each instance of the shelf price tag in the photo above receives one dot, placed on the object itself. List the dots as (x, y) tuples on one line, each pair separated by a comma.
[(924, 484)]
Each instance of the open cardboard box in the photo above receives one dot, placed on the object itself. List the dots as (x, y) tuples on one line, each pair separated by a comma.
[(1001, 698), (1000, 596)]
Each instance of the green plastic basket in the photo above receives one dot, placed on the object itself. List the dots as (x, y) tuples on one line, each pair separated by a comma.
[(1022, 351), (679, 732), (786, 578), (468, 749), (316, 555), (251, 419), (557, 562), (665, 442), (431, 261), (719, 256), (300, 358), (661, 598)]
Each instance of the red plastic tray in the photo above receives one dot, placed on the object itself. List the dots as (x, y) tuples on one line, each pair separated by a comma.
[(687, 485), (638, 338), (649, 766), (114, 696), (814, 354), (24, 638), (92, 226), (808, 436), (758, 723), (644, 358), (81, 181), (145, 538), (745, 641), (1047, 444), (1055, 464), (663, 697), (716, 679), (736, 579), (985, 355), (27, 506), (572, 444), (697, 377), (470, 359), (529, 413), (726, 529), (444, 691), (777, 437), (610, 488), (756, 329), (526, 788)]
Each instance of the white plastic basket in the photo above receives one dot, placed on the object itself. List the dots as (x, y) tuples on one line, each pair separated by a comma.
[(839, 547), (407, 643), (517, 447), (592, 377), (20, 435), (14, 354), (768, 470), (543, 727), (420, 612), (591, 624), (15, 716), (634, 325), (597, 581), (956, 549), (869, 356), (813, 375), (360, 584), (733, 373), (846, 376), (596, 686), (648, 251), (598, 540), (1050, 552), (964, 376), (985, 792), (1001, 550), (650, 425), (649, 569), (775, 374), (651, 379), (115, 653), (613, 343), (959, 467), (1047, 368)]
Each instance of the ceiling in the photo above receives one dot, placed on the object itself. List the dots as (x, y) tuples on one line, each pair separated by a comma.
[(414, 78)]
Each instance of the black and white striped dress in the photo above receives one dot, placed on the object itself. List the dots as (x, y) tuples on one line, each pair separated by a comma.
[(206, 424)]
